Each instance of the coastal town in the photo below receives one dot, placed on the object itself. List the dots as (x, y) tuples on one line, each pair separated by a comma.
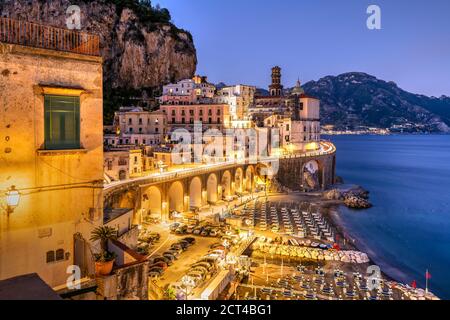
[(216, 193)]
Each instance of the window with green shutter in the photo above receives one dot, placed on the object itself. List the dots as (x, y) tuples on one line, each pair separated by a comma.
[(62, 122)]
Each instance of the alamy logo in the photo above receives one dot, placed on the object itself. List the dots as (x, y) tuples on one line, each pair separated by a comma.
[(374, 20), (234, 145), (374, 277), (73, 281), (73, 17)]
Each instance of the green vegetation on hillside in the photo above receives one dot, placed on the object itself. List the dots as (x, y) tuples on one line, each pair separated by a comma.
[(144, 10)]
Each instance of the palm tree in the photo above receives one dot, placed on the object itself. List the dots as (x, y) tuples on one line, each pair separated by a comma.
[(104, 234)]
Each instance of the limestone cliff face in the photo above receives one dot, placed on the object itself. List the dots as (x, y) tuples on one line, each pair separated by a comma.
[(137, 54)]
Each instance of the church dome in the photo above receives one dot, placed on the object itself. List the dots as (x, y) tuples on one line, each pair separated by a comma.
[(298, 90)]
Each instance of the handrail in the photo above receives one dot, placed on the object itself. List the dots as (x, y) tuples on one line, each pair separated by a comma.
[(46, 37)]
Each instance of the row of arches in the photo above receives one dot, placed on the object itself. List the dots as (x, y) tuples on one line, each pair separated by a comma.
[(198, 192)]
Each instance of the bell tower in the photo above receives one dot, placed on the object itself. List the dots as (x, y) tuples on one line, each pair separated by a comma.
[(276, 89)]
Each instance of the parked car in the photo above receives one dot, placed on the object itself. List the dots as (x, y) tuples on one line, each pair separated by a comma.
[(154, 275), (205, 232), (201, 270), (157, 270), (190, 240), (197, 274), (218, 246), (181, 229), (190, 229), (214, 233), (211, 260), (219, 252), (173, 227), (185, 242), (159, 264), (154, 259), (173, 252), (197, 231), (162, 259), (184, 245), (169, 256), (207, 265), (177, 247)]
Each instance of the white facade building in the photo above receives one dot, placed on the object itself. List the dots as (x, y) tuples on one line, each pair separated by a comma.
[(194, 90), (240, 98)]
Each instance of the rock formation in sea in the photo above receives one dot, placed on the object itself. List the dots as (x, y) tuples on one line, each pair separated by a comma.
[(354, 197)]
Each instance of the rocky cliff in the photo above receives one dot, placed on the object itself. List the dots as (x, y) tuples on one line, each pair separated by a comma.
[(142, 49)]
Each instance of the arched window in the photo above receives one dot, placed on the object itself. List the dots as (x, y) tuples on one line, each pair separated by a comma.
[(59, 254), (50, 256)]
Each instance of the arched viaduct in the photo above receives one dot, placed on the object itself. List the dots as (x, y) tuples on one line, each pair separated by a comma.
[(159, 195)]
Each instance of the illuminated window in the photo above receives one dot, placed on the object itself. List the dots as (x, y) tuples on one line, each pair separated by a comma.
[(62, 122)]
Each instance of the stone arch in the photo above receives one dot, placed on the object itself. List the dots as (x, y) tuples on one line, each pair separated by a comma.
[(226, 184), (238, 180), (122, 175), (211, 188), (128, 199), (152, 201), (312, 179), (175, 197), (195, 193), (250, 179)]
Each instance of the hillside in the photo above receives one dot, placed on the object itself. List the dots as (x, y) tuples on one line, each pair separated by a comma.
[(357, 99)]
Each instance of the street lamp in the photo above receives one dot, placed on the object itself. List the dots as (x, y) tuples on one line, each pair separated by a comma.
[(12, 199)]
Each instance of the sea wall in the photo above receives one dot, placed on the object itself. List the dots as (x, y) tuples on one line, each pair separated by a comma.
[(294, 174)]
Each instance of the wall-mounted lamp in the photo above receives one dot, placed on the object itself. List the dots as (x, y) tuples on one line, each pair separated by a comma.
[(12, 199)]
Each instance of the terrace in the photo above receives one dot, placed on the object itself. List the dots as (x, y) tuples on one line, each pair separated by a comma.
[(46, 37)]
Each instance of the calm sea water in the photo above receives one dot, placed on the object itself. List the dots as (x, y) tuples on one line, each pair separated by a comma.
[(408, 229)]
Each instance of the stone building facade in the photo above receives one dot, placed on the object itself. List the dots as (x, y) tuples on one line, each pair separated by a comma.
[(51, 151)]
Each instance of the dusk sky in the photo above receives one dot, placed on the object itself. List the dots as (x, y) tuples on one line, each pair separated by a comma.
[(239, 40)]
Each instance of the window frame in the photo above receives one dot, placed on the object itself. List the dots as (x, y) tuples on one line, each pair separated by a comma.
[(51, 143)]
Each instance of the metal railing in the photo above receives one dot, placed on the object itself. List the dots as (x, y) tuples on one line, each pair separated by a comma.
[(41, 36)]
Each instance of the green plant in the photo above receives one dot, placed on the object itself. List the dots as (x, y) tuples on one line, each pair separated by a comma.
[(104, 234), (170, 294), (105, 256)]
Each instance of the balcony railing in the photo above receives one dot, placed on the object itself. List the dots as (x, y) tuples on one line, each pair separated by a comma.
[(41, 36)]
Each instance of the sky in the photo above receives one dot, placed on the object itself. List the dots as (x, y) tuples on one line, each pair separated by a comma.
[(238, 41)]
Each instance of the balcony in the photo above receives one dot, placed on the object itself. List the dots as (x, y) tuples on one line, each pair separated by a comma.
[(45, 37)]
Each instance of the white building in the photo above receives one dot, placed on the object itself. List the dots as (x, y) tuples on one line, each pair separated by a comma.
[(239, 98), (193, 90)]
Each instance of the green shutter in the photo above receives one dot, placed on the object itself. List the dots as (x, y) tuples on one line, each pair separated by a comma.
[(62, 122)]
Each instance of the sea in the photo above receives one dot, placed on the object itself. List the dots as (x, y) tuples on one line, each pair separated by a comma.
[(407, 232)]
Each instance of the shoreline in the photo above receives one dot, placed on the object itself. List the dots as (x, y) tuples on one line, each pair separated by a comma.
[(332, 211)]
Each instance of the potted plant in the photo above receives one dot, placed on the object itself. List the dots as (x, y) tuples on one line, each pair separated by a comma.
[(104, 260)]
